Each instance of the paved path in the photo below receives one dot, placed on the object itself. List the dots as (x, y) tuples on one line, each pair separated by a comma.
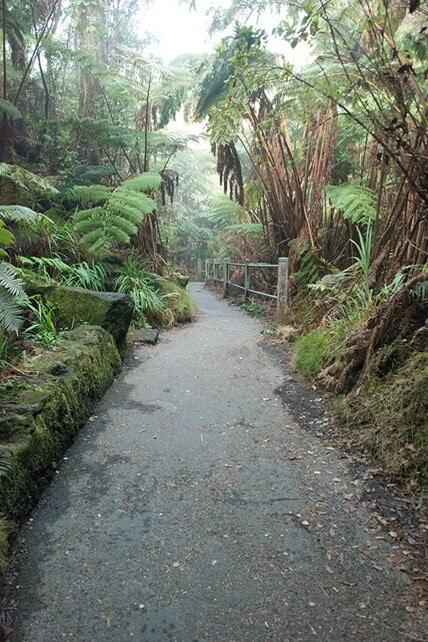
[(194, 509)]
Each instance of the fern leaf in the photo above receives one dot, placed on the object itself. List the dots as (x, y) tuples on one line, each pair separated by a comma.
[(355, 202), (19, 214), (8, 109), (10, 282), (146, 182), (27, 180), (94, 194), (252, 229), (93, 213), (10, 312), (6, 236)]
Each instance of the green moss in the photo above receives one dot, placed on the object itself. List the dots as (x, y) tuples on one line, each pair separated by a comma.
[(75, 306), (40, 416), (179, 305), (389, 417), (311, 351), (180, 279)]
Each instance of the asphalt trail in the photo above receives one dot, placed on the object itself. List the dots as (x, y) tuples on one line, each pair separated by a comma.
[(194, 508)]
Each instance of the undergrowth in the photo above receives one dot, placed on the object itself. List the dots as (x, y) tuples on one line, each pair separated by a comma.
[(7, 528), (389, 418), (254, 309)]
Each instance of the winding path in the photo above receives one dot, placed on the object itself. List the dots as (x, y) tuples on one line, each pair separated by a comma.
[(193, 508)]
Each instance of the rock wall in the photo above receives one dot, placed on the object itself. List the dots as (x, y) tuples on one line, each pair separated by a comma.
[(41, 411), (110, 310)]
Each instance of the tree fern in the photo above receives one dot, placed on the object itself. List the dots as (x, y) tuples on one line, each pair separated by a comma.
[(355, 202), (120, 215), (225, 212)]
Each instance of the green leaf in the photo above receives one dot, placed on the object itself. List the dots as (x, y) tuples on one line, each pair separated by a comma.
[(9, 109), (355, 202)]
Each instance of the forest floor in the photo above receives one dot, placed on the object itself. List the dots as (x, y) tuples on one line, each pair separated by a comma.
[(196, 506)]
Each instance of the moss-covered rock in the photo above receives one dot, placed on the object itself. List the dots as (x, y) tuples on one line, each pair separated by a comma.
[(180, 279), (75, 306), (40, 414), (179, 305)]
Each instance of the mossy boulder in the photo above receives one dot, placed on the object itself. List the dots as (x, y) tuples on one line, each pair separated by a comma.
[(180, 279), (41, 413), (75, 306)]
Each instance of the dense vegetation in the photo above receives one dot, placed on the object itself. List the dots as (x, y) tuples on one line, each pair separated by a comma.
[(324, 161), (84, 169), (327, 164)]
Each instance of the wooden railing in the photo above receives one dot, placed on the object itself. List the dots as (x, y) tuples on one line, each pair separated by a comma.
[(222, 272)]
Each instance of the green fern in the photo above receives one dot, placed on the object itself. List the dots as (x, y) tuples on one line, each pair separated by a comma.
[(27, 180), (92, 194), (308, 266), (6, 236), (19, 214), (9, 109), (11, 293), (147, 182), (356, 202), (117, 220), (250, 229)]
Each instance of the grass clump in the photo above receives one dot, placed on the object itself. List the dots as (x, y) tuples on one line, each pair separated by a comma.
[(7, 528), (389, 417), (311, 351)]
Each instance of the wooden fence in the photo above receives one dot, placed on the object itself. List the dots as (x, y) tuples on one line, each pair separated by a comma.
[(222, 273)]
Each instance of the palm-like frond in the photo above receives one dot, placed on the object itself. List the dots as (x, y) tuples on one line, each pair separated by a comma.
[(9, 109), (91, 194), (27, 180), (122, 212), (11, 291), (19, 214), (146, 182), (355, 202), (9, 280)]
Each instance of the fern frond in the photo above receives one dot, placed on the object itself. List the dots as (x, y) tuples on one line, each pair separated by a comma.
[(146, 182), (10, 312), (92, 194), (10, 282), (118, 219), (252, 229), (355, 202), (6, 236), (8, 109), (27, 180), (19, 214), (92, 213)]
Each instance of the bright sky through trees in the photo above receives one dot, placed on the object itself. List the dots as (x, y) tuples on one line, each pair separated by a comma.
[(179, 31)]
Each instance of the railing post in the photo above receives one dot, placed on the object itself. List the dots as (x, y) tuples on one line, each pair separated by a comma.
[(199, 269), (206, 271), (282, 290), (246, 281), (225, 278)]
